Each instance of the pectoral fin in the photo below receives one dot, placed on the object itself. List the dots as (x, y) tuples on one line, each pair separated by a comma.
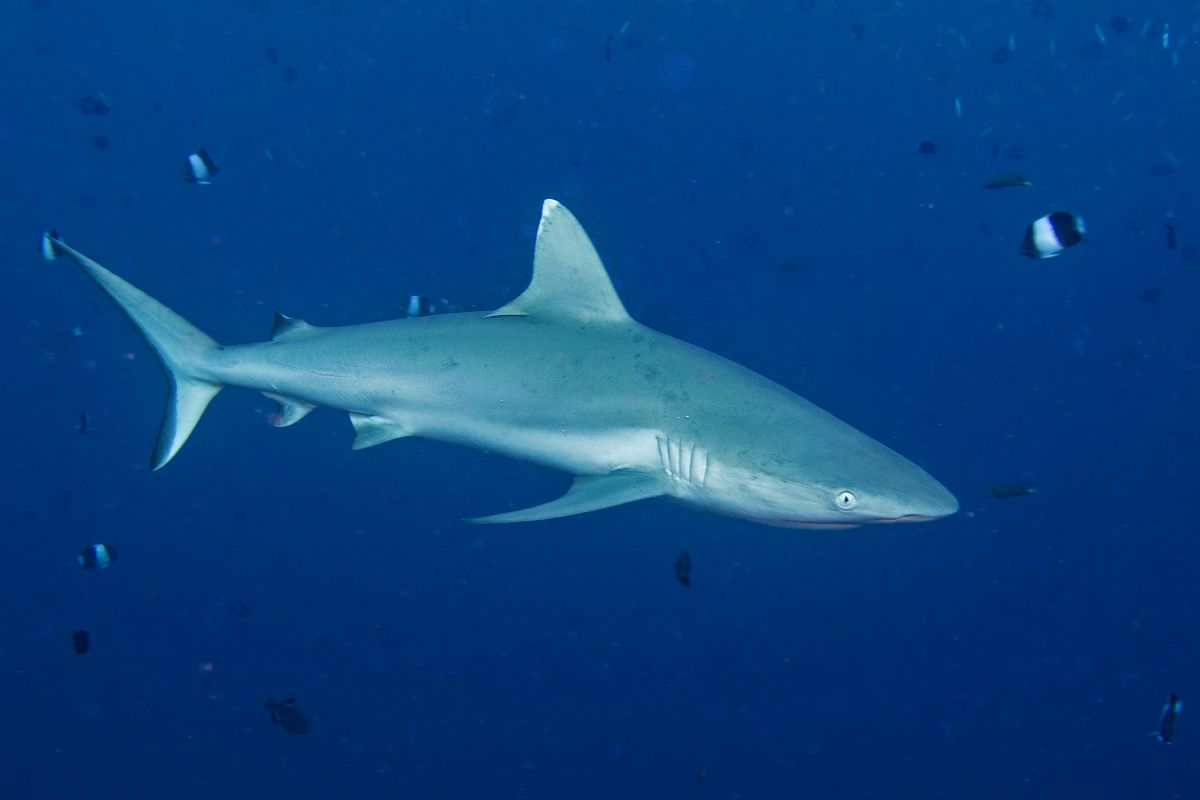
[(588, 493)]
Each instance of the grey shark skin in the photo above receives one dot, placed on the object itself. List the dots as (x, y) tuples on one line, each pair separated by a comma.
[(561, 376)]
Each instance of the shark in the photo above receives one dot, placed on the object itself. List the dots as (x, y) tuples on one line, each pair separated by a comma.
[(561, 376)]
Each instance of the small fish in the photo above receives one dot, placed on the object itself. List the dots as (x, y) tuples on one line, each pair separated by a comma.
[(608, 48), (1003, 180), (287, 716), (290, 75), (1166, 728), (90, 105), (1152, 295), (701, 776), (97, 556), (927, 147), (790, 267), (199, 168), (418, 306), (1001, 54), (683, 569), (80, 642), (1119, 24), (83, 422), (1171, 238), (1161, 169), (1049, 236), (99, 141), (1005, 490)]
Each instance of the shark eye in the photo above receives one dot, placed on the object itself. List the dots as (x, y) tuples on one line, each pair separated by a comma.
[(846, 500)]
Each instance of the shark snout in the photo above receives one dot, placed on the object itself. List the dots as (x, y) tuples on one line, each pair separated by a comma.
[(933, 502)]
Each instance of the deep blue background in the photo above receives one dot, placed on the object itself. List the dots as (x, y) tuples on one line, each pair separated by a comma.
[(1020, 649)]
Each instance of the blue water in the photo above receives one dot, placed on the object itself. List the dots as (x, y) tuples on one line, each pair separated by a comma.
[(1022, 648)]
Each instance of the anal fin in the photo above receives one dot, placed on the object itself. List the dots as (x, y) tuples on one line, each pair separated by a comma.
[(371, 430), (289, 412), (588, 493)]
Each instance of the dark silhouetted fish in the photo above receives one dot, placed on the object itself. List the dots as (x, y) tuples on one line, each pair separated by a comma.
[(1171, 238), (1004, 180), (90, 105), (287, 716), (1001, 54), (683, 569), (790, 267), (99, 141), (1006, 490), (1170, 712), (290, 75), (80, 642), (927, 147)]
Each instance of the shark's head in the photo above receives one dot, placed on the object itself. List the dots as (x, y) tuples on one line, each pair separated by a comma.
[(839, 479)]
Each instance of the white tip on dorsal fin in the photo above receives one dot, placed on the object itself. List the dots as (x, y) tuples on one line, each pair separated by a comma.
[(285, 327), (569, 280)]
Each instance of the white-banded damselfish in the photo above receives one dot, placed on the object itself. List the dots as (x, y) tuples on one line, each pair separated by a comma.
[(199, 167), (97, 556), (1048, 236)]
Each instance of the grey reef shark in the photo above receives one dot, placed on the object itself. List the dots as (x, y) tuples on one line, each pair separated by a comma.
[(561, 376)]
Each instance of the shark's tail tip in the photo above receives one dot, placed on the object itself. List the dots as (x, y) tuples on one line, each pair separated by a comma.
[(51, 245)]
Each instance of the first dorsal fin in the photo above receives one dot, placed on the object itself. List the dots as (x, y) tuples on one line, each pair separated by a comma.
[(285, 327), (569, 280)]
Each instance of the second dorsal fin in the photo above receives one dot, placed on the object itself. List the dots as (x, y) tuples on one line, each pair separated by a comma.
[(569, 280)]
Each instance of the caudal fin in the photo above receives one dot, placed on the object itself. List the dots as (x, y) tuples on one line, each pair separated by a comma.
[(181, 349)]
